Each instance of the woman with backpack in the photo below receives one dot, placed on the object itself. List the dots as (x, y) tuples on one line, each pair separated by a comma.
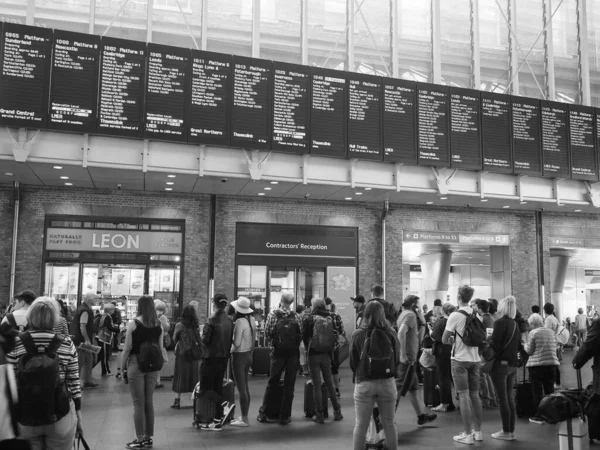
[(141, 361), (187, 367)]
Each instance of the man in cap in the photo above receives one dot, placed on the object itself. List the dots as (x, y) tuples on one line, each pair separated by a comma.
[(18, 317), (359, 306)]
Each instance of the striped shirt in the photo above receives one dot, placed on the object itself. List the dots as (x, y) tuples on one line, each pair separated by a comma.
[(61, 326), (69, 365)]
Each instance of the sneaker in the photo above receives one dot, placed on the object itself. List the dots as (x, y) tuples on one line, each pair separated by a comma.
[(262, 417), (215, 425), (319, 418), (284, 421), (424, 419), (238, 423), (337, 415), (464, 438), (228, 408), (537, 420), (501, 435), (477, 436), (148, 443), (135, 444)]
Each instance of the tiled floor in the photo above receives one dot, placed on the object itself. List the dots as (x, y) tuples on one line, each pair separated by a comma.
[(108, 418)]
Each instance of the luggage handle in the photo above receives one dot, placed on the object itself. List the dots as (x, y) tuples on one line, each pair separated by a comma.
[(579, 383), (570, 433)]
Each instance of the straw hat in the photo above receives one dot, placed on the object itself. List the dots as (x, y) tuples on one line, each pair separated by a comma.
[(242, 305)]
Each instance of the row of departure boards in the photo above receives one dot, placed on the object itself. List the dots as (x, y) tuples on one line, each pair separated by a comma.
[(90, 84)]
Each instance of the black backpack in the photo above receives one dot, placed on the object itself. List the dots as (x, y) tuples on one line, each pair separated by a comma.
[(474, 334), (43, 395), (378, 357), (150, 358), (287, 333)]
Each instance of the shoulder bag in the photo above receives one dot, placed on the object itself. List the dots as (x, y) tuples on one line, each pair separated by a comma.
[(488, 361)]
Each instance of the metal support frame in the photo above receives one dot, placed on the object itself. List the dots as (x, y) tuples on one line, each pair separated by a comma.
[(304, 168), (255, 165), (255, 28), (350, 16), (116, 16), (583, 55), (475, 43), (520, 180), (145, 155), (30, 17), (397, 176), (204, 26), (13, 256), (436, 42), (149, 17), (443, 179), (21, 144), (352, 172), (550, 84), (556, 184), (201, 160), (481, 179), (394, 37), (593, 194), (187, 24), (85, 149), (92, 17), (513, 57), (304, 32)]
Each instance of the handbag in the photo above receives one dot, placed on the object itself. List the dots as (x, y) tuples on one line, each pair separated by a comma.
[(427, 359), (80, 442), (489, 359), (104, 335)]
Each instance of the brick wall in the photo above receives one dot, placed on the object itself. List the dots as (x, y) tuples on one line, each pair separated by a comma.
[(6, 226)]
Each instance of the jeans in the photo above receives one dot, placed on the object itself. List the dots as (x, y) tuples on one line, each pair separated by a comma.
[(486, 390), (466, 382), (142, 387), (57, 436), (504, 378), (444, 379), (321, 362), (86, 363), (366, 394), (212, 372), (542, 382), (241, 363), (104, 357), (278, 365)]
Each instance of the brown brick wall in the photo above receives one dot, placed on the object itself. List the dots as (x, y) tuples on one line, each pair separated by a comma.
[(6, 226)]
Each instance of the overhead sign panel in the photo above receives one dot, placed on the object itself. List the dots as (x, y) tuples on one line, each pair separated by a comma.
[(555, 139), (582, 143), (496, 132), (364, 117), (456, 237), (433, 118), (465, 128), (526, 136), (400, 121)]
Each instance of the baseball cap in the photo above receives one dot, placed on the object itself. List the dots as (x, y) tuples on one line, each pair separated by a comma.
[(359, 298)]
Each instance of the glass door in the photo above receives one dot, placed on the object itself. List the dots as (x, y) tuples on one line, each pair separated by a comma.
[(281, 280), (164, 285), (62, 283), (311, 284), (304, 283)]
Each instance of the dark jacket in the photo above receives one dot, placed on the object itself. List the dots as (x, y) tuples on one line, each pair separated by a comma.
[(89, 327), (356, 346), (360, 311), (116, 317), (391, 315), (588, 350), (217, 335), (443, 351), (107, 322), (503, 330), (309, 326)]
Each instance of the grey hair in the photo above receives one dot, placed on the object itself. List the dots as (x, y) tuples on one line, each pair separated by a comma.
[(287, 298), (535, 321), (159, 305), (317, 303)]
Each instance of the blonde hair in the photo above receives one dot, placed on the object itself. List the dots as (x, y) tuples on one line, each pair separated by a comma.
[(42, 314), (160, 305), (508, 307)]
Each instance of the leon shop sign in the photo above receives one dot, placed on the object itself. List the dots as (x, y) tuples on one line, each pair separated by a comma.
[(86, 240)]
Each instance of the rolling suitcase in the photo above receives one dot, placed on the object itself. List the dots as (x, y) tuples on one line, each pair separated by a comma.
[(261, 361), (573, 435), (310, 409), (524, 397), (205, 403), (168, 370), (273, 396), (431, 390)]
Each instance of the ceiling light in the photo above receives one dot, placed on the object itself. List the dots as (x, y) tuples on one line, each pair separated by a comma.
[(267, 189), (261, 193), (170, 183), (482, 250), (443, 198), (483, 200), (506, 206), (577, 210), (171, 176), (274, 182), (368, 189), (57, 167), (64, 178), (8, 174), (523, 203), (168, 189), (348, 198), (470, 257), (429, 203), (68, 184), (358, 193)]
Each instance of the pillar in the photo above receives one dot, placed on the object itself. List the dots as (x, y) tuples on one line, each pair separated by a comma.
[(558, 273), (436, 270), (500, 271)]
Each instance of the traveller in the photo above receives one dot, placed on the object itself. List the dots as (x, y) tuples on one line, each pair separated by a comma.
[(104, 338), (435, 313), (285, 338), (9, 429), (217, 337), (374, 384), (465, 369), (244, 334), (161, 309), (82, 331), (47, 429), (320, 334), (61, 326), (335, 359), (391, 314), (442, 353), (410, 335), (18, 315), (553, 324), (487, 393), (358, 303), (187, 368), (542, 362), (483, 310), (117, 320), (505, 342), (588, 350), (494, 308), (142, 335), (535, 310), (581, 325), (303, 311)]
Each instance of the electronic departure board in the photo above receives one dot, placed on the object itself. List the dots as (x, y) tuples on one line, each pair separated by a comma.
[(555, 139), (465, 125), (399, 121), (496, 140), (167, 91), (122, 75), (526, 136), (74, 89), (25, 75), (364, 117), (210, 99), (251, 112), (291, 101), (582, 143), (432, 113), (328, 112)]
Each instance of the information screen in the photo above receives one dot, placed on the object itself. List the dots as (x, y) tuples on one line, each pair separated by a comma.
[(210, 99), (167, 92), (251, 113), (496, 141), (122, 75), (74, 89), (291, 101), (328, 115), (584, 164), (465, 125), (433, 109), (526, 136), (25, 75), (364, 117), (399, 121), (555, 139)]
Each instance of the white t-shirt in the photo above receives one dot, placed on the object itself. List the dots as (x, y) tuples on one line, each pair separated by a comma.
[(456, 325), (552, 323), (20, 316)]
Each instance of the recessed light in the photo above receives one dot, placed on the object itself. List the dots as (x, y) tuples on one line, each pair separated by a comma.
[(274, 182), (523, 203), (577, 210), (171, 176), (443, 198), (483, 200), (368, 189), (168, 189), (64, 178), (470, 257), (429, 203), (170, 183), (68, 184), (8, 174), (358, 193), (267, 189), (57, 167), (261, 193), (506, 206), (481, 250), (348, 198)]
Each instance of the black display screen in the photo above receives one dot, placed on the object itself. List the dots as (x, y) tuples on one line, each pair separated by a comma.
[(555, 139), (251, 113), (465, 142), (364, 117), (74, 89), (25, 75), (122, 75), (584, 162), (328, 115), (526, 136), (291, 101), (209, 103), (433, 107), (496, 141), (167, 92), (399, 121)]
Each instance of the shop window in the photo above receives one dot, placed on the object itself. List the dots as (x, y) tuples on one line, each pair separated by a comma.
[(62, 282), (252, 283)]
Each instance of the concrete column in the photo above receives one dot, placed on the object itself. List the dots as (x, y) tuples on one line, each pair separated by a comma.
[(558, 273), (500, 271), (436, 270)]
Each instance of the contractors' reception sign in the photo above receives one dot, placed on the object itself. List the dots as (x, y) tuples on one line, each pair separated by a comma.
[(87, 240)]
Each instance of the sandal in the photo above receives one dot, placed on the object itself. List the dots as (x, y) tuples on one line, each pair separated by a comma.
[(440, 408)]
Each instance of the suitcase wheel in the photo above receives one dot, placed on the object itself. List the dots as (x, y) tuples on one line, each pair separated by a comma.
[(196, 425)]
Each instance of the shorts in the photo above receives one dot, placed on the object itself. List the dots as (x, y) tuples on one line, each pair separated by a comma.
[(465, 375), (403, 369)]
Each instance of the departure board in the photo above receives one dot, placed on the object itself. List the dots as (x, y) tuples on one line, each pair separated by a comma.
[(210, 99), (25, 75), (328, 113), (122, 75), (496, 141), (433, 107), (74, 89), (465, 126), (291, 101), (364, 117), (526, 136), (167, 91), (399, 121), (555, 139), (584, 164), (251, 112)]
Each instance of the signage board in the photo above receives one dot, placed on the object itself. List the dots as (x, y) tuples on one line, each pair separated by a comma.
[(341, 285), (456, 237)]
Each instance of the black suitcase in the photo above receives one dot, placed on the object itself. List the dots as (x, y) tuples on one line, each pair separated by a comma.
[(310, 409), (273, 396), (524, 397), (205, 403), (261, 361), (431, 390)]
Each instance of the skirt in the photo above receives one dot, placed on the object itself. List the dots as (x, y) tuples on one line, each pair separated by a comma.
[(187, 375)]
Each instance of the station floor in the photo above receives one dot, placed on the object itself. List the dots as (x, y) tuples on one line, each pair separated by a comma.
[(108, 422)]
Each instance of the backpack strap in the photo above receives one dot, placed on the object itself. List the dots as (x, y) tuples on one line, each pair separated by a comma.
[(28, 343), (55, 344), (10, 318)]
